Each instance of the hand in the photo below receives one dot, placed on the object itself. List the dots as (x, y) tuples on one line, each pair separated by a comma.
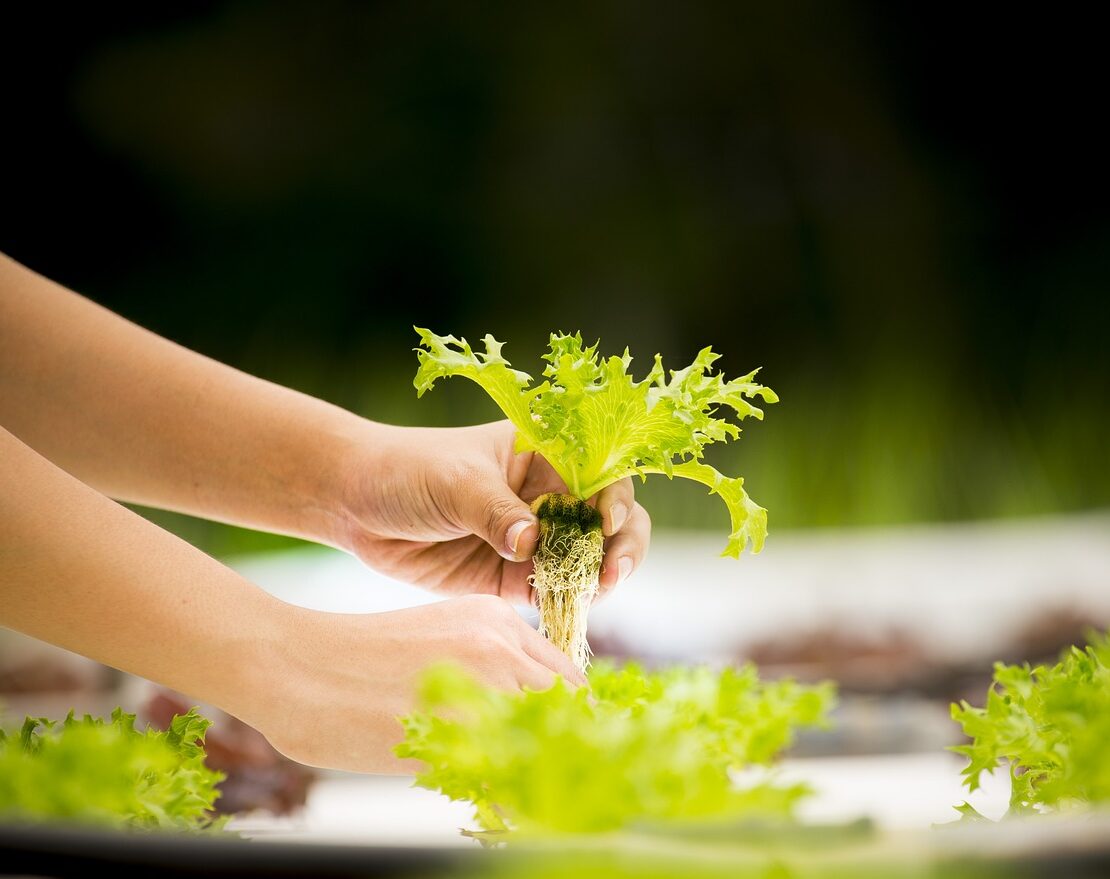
[(333, 694), (447, 509)]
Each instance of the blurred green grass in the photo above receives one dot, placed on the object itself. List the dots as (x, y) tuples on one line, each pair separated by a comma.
[(289, 188)]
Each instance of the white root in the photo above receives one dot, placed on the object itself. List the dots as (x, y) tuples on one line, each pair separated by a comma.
[(567, 563)]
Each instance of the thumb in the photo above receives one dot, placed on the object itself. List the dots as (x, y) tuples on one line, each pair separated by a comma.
[(502, 520)]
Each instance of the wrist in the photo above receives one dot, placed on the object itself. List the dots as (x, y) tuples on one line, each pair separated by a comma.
[(365, 480), (260, 665), (348, 456), (319, 678)]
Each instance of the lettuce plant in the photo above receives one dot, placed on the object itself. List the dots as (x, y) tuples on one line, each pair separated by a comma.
[(1051, 725), (595, 424), (109, 773), (633, 749)]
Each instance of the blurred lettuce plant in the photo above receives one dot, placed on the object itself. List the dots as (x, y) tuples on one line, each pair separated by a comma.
[(1051, 725), (635, 748), (93, 771)]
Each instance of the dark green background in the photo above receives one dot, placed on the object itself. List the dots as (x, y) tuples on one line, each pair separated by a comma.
[(900, 214)]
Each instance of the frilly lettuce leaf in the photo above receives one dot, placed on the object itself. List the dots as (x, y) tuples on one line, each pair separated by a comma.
[(109, 773), (636, 747), (596, 425), (1051, 725)]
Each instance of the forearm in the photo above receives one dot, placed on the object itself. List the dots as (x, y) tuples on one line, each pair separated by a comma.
[(144, 420), (83, 572)]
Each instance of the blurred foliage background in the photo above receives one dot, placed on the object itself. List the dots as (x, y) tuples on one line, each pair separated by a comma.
[(898, 212)]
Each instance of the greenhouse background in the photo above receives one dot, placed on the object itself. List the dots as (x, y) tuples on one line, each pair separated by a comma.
[(900, 221)]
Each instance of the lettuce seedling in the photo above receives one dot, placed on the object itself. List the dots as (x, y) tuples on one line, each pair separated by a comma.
[(1051, 725), (596, 425), (109, 773), (634, 748)]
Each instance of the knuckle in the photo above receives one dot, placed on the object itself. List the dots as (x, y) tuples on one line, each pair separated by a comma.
[(450, 483), (486, 608), (479, 642), (495, 511), (507, 680), (463, 473), (493, 653)]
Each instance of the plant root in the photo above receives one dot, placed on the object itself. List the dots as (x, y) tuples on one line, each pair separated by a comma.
[(567, 563)]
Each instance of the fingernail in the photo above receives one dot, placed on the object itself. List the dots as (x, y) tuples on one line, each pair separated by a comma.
[(624, 568), (514, 535), (617, 514)]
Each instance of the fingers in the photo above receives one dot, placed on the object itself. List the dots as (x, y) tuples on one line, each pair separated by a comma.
[(515, 586), (615, 503), (625, 551), (489, 508), (510, 650), (534, 675), (550, 657)]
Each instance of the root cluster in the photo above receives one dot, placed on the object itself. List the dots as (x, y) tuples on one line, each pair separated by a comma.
[(567, 563)]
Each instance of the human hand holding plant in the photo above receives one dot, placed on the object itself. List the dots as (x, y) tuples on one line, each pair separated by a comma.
[(448, 510), (324, 688), (95, 408), (597, 426), (345, 679)]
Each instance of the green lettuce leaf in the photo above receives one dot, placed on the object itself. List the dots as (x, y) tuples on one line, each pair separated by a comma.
[(637, 747), (1050, 725), (107, 772), (596, 425)]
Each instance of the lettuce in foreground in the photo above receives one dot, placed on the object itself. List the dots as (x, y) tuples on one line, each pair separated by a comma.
[(1051, 725), (596, 425), (635, 748), (93, 771)]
